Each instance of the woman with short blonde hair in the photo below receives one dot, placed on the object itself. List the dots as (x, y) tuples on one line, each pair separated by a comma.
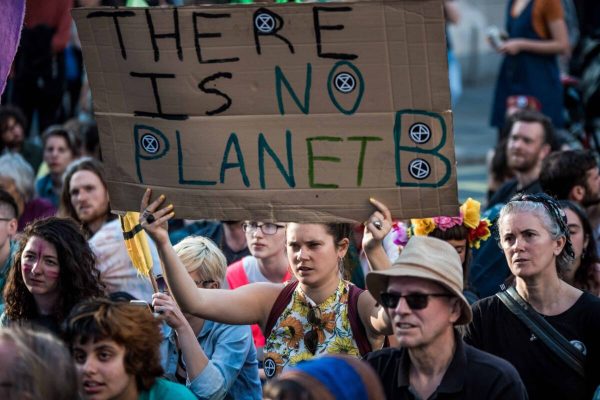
[(214, 360), (198, 252)]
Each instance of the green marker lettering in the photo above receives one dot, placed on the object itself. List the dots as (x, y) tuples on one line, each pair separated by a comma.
[(363, 149), (312, 158), (280, 78)]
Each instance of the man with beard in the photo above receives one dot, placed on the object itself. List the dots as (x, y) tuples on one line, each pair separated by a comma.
[(529, 142), (571, 175), (574, 175), (85, 199)]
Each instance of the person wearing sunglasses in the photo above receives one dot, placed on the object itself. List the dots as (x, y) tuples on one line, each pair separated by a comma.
[(320, 312), (267, 263), (423, 295)]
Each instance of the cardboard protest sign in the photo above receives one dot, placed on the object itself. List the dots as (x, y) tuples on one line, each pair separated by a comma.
[(289, 112)]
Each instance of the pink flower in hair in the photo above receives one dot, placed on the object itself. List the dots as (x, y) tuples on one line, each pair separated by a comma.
[(444, 223), (400, 234)]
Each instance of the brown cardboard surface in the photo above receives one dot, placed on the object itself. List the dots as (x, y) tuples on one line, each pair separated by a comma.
[(231, 129)]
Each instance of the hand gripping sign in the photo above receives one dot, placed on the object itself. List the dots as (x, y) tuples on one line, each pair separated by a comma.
[(289, 112)]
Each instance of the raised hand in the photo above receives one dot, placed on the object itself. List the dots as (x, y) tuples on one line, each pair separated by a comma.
[(154, 219), (377, 226)]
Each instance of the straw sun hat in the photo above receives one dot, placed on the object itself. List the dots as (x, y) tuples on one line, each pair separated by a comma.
[(428, 258)]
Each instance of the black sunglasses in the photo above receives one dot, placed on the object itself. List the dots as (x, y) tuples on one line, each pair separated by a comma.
[(416, 301), (311, 338)]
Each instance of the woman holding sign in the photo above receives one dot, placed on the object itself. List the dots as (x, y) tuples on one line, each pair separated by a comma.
[(317, 313)]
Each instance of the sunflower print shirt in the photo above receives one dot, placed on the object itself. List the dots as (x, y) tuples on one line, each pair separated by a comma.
[(285, 345)]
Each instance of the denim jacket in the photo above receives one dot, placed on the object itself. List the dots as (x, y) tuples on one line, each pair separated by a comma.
[(232, 370)]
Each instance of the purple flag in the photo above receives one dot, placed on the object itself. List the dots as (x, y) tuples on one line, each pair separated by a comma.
[(11, 21)]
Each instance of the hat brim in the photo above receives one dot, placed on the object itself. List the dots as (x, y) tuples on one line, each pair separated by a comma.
[(378, 281)]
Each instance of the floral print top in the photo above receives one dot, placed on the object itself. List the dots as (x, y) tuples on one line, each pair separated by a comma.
[(285, 345)]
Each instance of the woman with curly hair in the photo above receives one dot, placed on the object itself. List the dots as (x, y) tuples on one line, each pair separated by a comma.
[(54, 269), (115, 346)]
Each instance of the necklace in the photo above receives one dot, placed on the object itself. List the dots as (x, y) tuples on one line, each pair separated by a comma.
[(311, 302)]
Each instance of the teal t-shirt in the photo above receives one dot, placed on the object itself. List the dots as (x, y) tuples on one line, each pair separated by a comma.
[(164, 389)]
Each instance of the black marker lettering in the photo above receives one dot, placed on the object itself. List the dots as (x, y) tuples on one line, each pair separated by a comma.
[(202, 86), (198, 35), (115, 15), (175, 35), (319, 28), (267, 23), (153, 77)]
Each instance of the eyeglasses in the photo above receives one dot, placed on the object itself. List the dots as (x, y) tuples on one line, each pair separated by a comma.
[(6, 219), (311, 338), (266, 228), (416, 301), (203, 284)]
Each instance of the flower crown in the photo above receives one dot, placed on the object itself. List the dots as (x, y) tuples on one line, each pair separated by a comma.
[(470, 217)]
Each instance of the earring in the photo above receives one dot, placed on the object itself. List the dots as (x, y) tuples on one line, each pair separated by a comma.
[(341, 265), (583, 254)]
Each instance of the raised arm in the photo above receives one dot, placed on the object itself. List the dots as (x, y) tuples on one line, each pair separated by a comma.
[(207, 378), (377, 227), (246, 305), (374, 318), (193, 354)]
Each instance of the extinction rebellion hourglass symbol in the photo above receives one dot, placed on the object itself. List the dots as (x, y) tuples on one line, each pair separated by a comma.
[(419, 133), (150, 144), (419, 169), (264, 23), (344, 82)]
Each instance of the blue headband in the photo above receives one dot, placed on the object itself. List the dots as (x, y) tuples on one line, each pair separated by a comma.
[(339, 377), (554, 211)]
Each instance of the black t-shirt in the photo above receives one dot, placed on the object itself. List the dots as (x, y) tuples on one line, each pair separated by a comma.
[(497, 330), (510, 188), (472, 374)]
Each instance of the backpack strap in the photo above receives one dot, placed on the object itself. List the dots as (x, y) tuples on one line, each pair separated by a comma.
[(358, 329), (280, 303), (553, 339)]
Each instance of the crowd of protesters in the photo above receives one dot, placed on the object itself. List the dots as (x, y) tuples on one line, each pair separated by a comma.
[(498, 302)]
